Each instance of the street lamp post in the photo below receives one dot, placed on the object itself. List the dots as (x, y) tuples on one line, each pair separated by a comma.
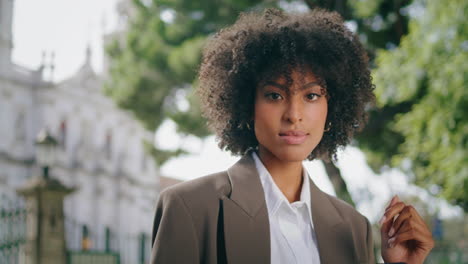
[(46, 148), (44, 195)]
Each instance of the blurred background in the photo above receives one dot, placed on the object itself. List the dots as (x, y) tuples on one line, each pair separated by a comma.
[(97, 116)]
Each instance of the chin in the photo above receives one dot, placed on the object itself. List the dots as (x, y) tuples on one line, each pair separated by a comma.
[(292, 154)]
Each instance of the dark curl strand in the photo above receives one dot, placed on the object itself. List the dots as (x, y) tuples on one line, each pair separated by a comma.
[(260, 45)]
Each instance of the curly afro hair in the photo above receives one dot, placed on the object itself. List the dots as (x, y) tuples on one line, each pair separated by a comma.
[(272, 43)]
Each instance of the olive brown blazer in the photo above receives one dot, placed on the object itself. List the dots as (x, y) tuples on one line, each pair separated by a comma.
[(223, 218)]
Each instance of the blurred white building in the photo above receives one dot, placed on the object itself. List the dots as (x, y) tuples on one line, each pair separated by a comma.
[(101, 151)]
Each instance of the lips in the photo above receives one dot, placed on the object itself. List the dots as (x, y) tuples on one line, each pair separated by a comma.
[(295, 133), (293, 137)]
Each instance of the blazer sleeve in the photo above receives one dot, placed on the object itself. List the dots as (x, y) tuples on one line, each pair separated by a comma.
[(174, 237), (370, 244)]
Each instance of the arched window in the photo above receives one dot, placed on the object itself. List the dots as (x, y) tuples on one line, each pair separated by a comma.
[(108, 145), (63, 134), (20, 126)]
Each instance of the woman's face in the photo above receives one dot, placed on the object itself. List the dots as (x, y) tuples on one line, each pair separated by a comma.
[(289, 121)]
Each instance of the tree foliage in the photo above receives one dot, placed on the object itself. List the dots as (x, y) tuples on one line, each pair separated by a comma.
[(425, 78), (155, 61)]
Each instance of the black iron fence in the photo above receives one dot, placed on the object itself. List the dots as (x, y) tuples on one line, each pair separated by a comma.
[(12, 229), (85, 243), (131, 248), (92, 257)]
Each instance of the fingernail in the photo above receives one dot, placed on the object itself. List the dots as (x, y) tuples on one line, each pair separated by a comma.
[(392, 231), (390, 242), (382, 220)]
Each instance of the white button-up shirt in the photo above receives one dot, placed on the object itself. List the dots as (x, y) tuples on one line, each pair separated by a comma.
[(292, 235)]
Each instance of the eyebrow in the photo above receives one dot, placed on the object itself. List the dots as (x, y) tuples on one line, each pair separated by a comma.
[(285, 88)]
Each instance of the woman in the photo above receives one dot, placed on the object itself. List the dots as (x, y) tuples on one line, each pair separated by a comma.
[(277, 89)]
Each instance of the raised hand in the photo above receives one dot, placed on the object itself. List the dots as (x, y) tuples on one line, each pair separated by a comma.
[(405, 236)]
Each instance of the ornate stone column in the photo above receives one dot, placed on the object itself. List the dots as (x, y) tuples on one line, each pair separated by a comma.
[(45, 229)]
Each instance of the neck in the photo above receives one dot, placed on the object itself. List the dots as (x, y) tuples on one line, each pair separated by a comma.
[(286, 174)]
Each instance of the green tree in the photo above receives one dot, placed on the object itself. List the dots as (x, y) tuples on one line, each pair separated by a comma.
[(155, 61), (421, 91)]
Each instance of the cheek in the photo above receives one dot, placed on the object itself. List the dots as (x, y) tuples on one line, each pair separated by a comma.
[(317, 117), (266, 121), (318, 114), (264, 113)]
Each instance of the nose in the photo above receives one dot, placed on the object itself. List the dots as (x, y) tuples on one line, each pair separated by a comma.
[(293, 112)]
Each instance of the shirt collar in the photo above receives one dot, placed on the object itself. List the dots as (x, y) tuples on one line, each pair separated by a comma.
[(273, 195)]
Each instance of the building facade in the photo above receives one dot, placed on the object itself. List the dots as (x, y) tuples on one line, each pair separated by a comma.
[(101, 152)]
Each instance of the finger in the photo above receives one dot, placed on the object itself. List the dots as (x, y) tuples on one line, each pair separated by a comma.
[(415, 214), (415, 233), (403, 216), (392, 202), (409, 224), (385, 225), (388, 217), (392, 212), (420, 232), (416, 219)]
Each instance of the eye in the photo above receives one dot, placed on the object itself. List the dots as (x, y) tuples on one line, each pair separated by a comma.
[(312, 96), (273, 96)]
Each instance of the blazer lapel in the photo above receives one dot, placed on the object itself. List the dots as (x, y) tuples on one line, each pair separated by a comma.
[(333, 237), (247, 227), (245, 215)]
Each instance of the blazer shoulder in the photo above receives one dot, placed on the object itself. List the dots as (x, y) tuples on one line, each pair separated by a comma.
[(199, 191)]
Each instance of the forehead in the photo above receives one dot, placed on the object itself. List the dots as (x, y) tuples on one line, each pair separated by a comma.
[(296, 76), (295, 79)]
